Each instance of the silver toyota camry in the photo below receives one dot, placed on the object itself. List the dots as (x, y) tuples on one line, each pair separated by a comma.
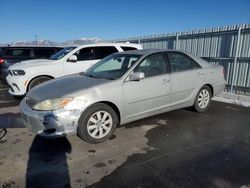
[(121, 88)]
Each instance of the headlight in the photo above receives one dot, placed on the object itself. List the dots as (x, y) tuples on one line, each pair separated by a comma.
[(52, 104), (18, 72)]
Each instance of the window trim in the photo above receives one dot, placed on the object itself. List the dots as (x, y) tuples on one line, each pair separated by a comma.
[(176, 52)]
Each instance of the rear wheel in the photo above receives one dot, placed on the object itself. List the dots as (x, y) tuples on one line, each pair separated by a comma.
[(203, 99), (38, 81), (97, 123)]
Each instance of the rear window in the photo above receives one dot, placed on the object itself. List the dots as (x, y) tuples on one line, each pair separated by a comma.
[(127, 48), (18, 52)]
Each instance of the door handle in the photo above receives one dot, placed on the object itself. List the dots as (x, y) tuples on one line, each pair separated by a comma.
[(201, 74), (165, 81)]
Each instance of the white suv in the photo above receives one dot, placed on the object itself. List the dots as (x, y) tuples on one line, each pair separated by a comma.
[(27, 74)]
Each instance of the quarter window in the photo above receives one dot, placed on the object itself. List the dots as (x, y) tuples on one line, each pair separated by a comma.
[(180, 62), (127, 48), (152, 65)]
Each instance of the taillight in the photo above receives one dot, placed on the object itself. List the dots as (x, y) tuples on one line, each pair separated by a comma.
[(1, 61)]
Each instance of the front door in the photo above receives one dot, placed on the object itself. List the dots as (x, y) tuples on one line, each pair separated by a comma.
[(151, 94)]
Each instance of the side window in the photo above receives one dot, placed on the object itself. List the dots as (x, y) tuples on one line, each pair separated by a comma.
[(85, 54), (152, 65), (18, 52), (127, 48), (94, 53), (104, 51), (43, 53), (180, 62)]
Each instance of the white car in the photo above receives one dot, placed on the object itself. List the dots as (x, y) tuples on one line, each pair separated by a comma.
[(27, 74)]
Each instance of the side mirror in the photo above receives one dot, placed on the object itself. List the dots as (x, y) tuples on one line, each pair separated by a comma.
[(137, 76), (72, 59)]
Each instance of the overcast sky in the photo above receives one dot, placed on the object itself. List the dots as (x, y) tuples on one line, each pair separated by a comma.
[(61, 20)]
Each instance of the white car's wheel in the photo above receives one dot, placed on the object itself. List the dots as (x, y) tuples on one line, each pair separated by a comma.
[(97, 123), (203, 99), (38, 81)]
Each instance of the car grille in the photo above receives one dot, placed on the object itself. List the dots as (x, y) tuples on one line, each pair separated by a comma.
[(30, 102), (10, 73)]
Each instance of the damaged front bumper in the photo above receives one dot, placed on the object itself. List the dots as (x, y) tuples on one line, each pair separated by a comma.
[(51, 124)]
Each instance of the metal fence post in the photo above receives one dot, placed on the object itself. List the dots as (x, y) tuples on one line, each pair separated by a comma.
[(235, 59), (177, 41)]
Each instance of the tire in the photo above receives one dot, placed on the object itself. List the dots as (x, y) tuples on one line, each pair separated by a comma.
[(203, 99), (91, 124), (38, 81)]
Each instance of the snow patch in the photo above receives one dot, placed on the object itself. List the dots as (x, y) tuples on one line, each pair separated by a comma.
[(232, 101)]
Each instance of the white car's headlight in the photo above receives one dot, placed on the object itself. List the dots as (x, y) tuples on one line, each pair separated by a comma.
[(52, 104), (18, 72)]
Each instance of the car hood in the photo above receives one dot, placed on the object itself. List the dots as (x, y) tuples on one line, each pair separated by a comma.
[(31, 63), (66, 86)]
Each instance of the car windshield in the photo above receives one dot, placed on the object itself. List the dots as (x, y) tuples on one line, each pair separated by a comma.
[(112, 67), (61, 53)]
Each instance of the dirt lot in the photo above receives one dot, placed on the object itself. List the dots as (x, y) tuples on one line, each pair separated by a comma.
[(176, 149)]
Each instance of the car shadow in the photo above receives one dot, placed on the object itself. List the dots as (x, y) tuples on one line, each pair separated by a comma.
[(47, 164), (6, 100)]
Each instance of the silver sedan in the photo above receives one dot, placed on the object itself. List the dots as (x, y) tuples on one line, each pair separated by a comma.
[(121, 88)]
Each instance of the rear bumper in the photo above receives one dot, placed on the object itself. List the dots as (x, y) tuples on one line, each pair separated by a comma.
[(219, 88)]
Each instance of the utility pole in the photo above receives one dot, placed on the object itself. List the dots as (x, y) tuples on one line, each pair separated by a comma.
[(36, 40)]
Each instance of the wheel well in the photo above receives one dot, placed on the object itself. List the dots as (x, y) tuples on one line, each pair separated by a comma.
[(115, 108), (35, 78), (211, 88)]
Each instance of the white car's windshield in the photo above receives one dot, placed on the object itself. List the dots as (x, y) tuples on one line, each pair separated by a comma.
[(112, 67), (61, 53)]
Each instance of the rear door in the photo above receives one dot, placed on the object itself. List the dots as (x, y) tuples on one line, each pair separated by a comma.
[(86, 57), (151, 94), (185, 76)]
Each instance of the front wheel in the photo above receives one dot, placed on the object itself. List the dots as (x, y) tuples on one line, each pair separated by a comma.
[(97, 123), (203, 99)]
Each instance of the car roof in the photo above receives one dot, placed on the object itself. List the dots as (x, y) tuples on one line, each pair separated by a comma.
[(31, 47), (110, 44)]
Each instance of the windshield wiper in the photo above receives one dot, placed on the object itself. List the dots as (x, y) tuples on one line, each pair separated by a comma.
[(109, 78), (90, 75)]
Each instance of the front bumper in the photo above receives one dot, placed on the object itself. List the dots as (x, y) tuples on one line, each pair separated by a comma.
[(17, 85), (50, 124)]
